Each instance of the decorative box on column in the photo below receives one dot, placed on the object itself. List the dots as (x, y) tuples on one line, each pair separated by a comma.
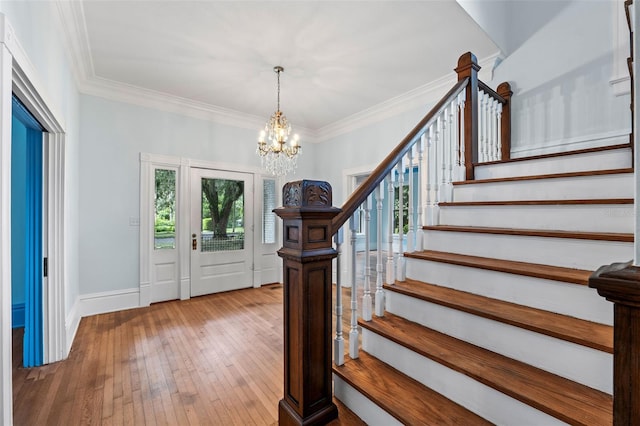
[(307, 253)]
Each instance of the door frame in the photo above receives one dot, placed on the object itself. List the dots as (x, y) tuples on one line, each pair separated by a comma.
[(148, 162), (18, 75)]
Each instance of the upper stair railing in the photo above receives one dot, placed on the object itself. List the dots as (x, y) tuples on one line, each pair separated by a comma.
[(468, 126)]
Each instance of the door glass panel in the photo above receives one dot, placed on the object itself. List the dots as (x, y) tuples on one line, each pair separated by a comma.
[(222, 215), (165, 209), (268, 216)]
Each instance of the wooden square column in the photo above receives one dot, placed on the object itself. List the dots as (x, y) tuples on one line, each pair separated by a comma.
[(620, 283), (307, 253)]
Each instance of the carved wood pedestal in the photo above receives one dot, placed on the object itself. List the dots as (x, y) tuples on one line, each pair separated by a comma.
[(307, 253), (620, 284)]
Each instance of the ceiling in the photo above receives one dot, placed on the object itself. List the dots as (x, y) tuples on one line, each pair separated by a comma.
[(340, 57)]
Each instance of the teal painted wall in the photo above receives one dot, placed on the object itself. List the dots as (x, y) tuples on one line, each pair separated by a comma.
[(18, 210)]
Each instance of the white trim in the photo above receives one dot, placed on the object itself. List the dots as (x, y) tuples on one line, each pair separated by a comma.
[(72, 322), (6, 375), (18, 75), (620, 80), (109, 301), (572, 144)]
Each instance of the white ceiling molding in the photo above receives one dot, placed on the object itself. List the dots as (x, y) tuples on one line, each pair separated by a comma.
[(73, 25)]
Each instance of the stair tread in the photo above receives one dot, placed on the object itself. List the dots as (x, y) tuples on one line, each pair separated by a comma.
[(580, 235), (564, 399), (546, 176), (597, 201), (419, 404), (555, 273), (586, 333)]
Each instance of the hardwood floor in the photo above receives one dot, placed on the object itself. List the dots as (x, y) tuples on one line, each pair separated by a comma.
[(211, 360)]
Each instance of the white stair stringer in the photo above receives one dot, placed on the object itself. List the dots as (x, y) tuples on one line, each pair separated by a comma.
[(618, 185), (362, 406), (563, 298), (591, 367), (566, 252), (473, 395), (617, 218), (620, 158)]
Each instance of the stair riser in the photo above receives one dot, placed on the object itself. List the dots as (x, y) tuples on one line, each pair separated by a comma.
[(475, 396), (604, 160), (539, 293), (588, 366), (567, 252), (574, 188), (362, 406), (593, 218)]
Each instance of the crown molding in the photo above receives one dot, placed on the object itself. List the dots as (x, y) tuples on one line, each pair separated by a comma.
[(77, 44)]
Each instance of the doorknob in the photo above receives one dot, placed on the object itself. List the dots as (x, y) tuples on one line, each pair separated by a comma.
[(194, 242)]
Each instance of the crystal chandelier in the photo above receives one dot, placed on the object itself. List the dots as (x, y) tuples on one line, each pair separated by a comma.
[(276, 156)]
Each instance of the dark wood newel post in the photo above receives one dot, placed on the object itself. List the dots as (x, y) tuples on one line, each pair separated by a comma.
[(307, 253), (504, 90), (620, 284), (468, 67)]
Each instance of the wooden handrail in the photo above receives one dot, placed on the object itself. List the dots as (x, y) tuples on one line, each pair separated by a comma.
[(374, 179), (482, 86)]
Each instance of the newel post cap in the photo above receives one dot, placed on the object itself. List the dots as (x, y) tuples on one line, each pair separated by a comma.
[(618, 283), (307, 193), (467, 63)]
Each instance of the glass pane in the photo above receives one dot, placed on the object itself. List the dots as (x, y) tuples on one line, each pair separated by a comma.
[(165, 210), (222, 215), (268, 216)]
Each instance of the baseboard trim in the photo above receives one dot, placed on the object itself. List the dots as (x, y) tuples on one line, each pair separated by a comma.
[(109, 301), (17, 315), (71, 324)]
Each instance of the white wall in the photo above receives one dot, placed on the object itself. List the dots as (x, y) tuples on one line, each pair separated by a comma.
[(562, 97), (560, 78), (114, 134), (37, 28)]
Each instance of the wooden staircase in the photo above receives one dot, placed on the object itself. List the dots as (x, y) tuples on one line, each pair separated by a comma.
[(495, 321)]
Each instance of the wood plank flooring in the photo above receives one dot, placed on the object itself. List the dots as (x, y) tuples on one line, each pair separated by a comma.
[(211, 360)]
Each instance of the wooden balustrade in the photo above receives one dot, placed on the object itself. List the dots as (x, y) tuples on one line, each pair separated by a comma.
[(445, 143)]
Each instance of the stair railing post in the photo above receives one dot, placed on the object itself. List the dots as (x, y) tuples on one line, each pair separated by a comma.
[(338, 343), (504, 90), (468, 67), (307, 255), (620, 283)]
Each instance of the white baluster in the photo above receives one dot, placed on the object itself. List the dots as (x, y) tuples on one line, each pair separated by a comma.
[(436, 161), (494, 129), (421, 188), (353, 333), (411, 246), (366, 298), (338, 345), (390, 266), (400, 262), (487, 127), (428, 179), (499, 124), (463, 172), (379, 292), (444, 147)]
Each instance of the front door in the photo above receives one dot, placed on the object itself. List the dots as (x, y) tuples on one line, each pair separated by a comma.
[(221, 231)]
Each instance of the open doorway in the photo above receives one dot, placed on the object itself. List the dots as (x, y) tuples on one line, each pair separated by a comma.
[(27, 230)]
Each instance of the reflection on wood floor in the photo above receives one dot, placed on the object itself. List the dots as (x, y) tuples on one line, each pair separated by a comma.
[(211, 360)]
